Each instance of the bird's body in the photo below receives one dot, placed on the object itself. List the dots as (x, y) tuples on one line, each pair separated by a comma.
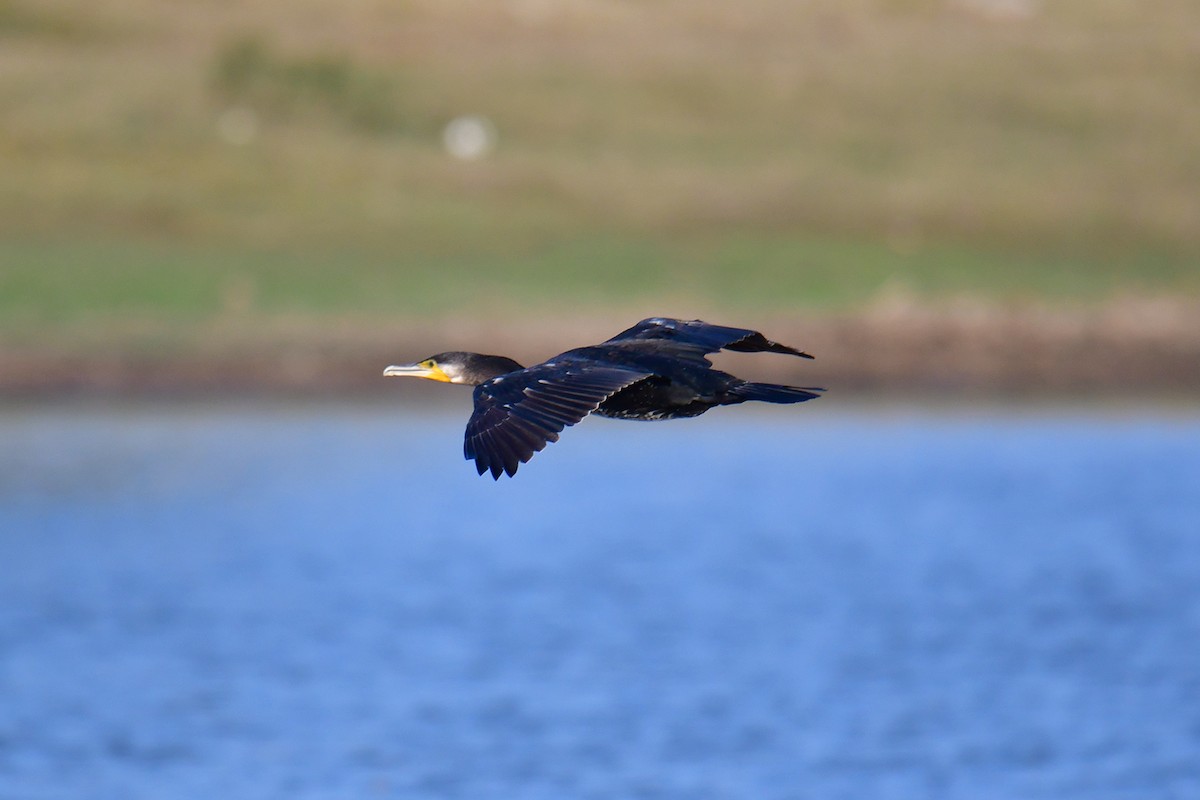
[(655, 370)]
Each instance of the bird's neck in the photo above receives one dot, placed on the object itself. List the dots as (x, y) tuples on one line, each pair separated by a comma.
[(489, 367)]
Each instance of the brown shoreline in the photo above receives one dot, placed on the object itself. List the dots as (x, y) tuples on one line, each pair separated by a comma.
[(1131, 348)]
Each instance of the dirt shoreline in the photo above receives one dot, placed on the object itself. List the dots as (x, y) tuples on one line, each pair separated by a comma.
[(1127, 349)]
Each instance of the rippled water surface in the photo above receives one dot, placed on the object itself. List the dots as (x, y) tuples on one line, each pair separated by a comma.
[(326, 602)]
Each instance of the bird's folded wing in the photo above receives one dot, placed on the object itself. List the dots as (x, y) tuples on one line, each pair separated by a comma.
[(694, 337), (517, 414)]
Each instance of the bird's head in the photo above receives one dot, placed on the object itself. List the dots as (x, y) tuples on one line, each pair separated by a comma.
[(456, 367)]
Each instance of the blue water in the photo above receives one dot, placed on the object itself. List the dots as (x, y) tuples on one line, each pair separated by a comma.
[(326, 602)]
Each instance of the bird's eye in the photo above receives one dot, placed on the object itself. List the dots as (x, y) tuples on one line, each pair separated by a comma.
[(428, 363)]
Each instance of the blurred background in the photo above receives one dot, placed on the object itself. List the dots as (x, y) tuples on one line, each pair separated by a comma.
[(942, 193), (235, 561)]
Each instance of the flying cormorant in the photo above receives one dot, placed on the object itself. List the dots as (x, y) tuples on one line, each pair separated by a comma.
[(655, 370)]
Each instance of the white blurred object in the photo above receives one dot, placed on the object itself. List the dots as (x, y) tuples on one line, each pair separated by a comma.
[(1000, 10), (469, 137), (237, 125)]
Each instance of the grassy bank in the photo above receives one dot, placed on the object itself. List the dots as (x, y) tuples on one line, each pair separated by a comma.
[(49, 283), (171, 168)]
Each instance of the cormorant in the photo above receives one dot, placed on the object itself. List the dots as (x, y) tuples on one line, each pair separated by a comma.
[(655, 370)]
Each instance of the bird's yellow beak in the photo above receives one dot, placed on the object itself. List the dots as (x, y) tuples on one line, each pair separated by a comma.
[(425, 369)]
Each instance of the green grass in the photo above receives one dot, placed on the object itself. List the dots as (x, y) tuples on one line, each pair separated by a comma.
[(684, 153), (63, 282)]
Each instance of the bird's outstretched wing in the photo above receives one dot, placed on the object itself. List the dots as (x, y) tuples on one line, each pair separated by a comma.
[(696, 338), (518, 414)]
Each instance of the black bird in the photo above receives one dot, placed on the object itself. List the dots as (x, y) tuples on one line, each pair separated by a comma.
[(655, 370)]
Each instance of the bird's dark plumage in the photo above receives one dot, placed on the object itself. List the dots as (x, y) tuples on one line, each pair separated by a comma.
[(655, 370)]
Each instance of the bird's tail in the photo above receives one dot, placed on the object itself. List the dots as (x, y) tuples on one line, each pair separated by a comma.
[(774, 393)]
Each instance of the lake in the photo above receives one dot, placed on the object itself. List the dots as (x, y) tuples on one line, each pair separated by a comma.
[(818, 602)]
